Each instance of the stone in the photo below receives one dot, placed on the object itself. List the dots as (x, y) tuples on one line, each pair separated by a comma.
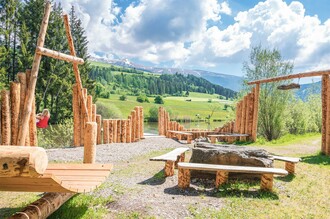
[(229, 155)]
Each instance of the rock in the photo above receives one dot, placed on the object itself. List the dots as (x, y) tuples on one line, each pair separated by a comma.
[(228, 155)]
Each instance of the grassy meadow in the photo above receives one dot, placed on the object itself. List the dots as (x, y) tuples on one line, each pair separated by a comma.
[(201, 104)]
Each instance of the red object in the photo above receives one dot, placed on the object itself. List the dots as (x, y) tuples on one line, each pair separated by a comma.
[(43, 123)]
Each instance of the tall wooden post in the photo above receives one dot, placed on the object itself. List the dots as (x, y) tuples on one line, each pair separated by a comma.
[(325, 81), (93, 112), (110, 130), (142, 123), (114, 131), (23, 130), (14, 110), (137, 125), (99, 129), (255, 112), (128, 130), (89, 106), (123, 130), (32, 133), (327, 146), (90, 142), (83, 116), (76, 117), (5, 118), (160, 115), (118, 131), (105, 131), (133, 114)]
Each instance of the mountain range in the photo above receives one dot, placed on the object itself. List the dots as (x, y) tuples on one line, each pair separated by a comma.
[(228, 81)]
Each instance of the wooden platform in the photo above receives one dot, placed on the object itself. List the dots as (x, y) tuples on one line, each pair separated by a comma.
[(69, 178)]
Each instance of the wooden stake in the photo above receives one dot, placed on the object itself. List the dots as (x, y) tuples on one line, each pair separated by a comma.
[(83, 118), (118, 131), (327, 147), (90, 142), (23, 130), (89, 106), (325, 79), (255, 112), (128, 130), (133, 114), (76, 117), (33, 138), (160, 114), (5, 118), (93, 112), (142, 123), (114, 133), (137, 124), (15, 89), (123, 130), (105, 131), (99, 129), (110, 130)]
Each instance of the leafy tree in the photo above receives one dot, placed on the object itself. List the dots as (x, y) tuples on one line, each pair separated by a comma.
[(123, 97), (142, 98), (159, 100), (153, 114), (265, 63)]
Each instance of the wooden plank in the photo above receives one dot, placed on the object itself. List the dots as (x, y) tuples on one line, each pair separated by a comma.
[(287, 77), (58, 55), (170, 156), (77, 173), (180, 132), (65, 166), (288, 159), (236, 169)]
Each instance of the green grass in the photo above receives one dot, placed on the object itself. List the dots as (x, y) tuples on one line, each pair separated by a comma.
[(177, 105)]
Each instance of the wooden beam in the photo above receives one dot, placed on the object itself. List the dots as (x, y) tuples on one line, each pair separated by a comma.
[(292, 76), (22, 161), (325, 80), (255, 112), (59, 55), (33, 80), (75, 68)]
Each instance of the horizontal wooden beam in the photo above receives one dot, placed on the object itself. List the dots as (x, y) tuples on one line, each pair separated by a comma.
[(59, 55), (292, 76)]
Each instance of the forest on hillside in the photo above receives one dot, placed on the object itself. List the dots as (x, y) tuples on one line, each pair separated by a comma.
[(135, 82), (19, 28)]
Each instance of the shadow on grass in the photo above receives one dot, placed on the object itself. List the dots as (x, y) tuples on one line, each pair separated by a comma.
[(226, 190), (157, 179), (316, 159), (287, 178), (7, 212), (70, 211)]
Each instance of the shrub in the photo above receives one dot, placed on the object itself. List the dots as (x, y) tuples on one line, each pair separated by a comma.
[(108, 111), (105, 94), (159, 100), (123, 97), (153, 114), (56, 136), (142, 98)]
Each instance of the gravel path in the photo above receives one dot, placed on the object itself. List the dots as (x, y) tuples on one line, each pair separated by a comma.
[(114, 152)]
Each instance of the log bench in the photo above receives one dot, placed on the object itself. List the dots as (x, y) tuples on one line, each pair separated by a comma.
[(171, 159), (222, 173), (179, 134), (229, 137), (289, 162)]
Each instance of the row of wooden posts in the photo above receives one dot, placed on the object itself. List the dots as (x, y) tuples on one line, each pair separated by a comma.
[(12, 107), (226, 128), (108, 130), (165, 123)]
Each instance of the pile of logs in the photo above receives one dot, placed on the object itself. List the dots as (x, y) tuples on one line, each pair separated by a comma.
[(108, 130), (12, 107)]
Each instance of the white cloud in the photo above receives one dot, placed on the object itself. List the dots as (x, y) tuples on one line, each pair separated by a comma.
[(187, 32)]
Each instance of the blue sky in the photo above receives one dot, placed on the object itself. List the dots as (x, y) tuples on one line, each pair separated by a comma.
[(211, 35)]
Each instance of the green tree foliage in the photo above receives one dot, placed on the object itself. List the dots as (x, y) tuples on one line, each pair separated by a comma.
[(153, 114), (159, 100), (265, 63), (137, 82), (123, 97), (142, 98), (20, 24)]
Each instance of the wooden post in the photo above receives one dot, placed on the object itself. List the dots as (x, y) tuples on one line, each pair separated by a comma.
[(105, 131), (290, 167), (43, 207), (267, 182), (160, 115), (242, 131), (89, 106), (83, 118), (123, 130), (142, 123), (255, 112), (114, 133), (31, 137), (327, 147), (133, 124), (14, 110), (325, 79), (90, 142), (118, 131), (76, 116), (5, 118), (110, 130), (250, 121), (23, 130), (137, 125), (128, 130), (169, 168), (221, 178), (93, 112), (183, 178), (99, 129), (246, 124)]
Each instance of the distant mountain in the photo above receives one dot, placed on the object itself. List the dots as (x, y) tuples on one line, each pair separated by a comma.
[(306, 89), (228, 81)]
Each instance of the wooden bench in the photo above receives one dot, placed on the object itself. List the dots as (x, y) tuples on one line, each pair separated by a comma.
[(171, 159), (222, 173), (179, 134), (229, 137), (289, 162)]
